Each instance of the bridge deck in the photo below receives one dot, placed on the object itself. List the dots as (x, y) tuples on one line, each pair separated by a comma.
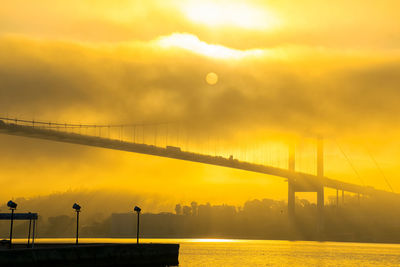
[(302, 179)]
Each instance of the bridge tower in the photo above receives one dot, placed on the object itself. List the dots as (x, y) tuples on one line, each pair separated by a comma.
[(291, 185), (320, 192), (298, 185)]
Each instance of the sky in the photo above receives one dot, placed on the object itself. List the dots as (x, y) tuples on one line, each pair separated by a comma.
[(279, 70)]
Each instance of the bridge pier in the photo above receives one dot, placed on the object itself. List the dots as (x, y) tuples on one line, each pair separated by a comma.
[(291, 200), (294, 186), (337, 198), (342, 197), (291, 185), (320, 192), (320, 207)]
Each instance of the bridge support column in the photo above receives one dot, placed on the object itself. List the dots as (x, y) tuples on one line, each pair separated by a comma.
[(291, 186), (320, 207), (337, 198), (342, 197), (292, 157), (299, 185), (320, 192), (320, 158), (291, 200)]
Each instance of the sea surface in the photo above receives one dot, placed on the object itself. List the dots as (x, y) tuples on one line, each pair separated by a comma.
[(232, 252)]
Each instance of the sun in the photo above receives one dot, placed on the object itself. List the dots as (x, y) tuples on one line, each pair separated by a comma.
[(211, 78), (229, 13)]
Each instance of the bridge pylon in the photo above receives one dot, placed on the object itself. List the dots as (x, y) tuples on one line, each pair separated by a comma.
[(291, 184), (301, 185), (320, 193)]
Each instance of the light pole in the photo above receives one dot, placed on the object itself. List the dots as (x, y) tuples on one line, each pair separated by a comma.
[(77, 208), (12, 205), (30, 226), (137, 209)]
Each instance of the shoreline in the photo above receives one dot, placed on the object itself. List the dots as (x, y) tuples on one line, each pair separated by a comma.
[(147, 240)]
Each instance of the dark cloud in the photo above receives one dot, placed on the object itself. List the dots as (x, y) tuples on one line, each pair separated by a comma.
[(56, 80)]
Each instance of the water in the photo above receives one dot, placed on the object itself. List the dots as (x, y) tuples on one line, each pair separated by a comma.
[(222, 252)]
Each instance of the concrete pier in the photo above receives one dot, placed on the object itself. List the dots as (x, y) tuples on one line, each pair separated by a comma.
[(46, 255)]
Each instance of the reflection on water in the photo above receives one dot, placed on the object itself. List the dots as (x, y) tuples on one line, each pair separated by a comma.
[(230, 252)]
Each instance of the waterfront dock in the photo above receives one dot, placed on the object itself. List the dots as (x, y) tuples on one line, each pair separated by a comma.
[(84, 255)]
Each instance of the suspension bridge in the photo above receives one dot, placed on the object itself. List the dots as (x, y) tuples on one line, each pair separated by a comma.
[(132, 138)]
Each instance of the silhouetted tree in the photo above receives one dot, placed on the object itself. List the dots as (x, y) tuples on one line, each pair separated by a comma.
[(187, 210), (194, 208), (178, 209)]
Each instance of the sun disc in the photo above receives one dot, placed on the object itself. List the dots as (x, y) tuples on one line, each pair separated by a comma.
[(212, 78)]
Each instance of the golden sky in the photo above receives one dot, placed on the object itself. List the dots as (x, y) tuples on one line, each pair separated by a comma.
[(239, 70)]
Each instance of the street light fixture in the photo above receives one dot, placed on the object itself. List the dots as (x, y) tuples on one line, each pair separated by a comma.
[(77, 208), (138, 210), (13, 206)]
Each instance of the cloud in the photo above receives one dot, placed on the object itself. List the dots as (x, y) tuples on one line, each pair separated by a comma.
[(141, 82), (338, 25)]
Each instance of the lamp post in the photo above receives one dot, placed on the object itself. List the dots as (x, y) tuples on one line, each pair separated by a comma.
[(12, 205), (29, 232), (137, 209), (77, 208)]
